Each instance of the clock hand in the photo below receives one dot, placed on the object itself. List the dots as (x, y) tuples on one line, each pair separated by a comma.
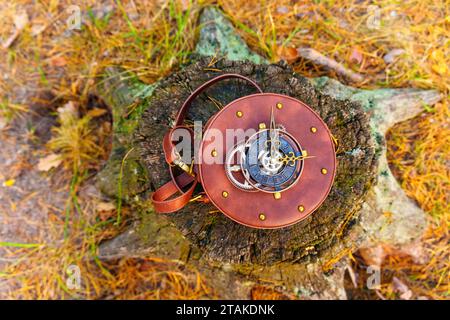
[(291, 158), (273, 134)]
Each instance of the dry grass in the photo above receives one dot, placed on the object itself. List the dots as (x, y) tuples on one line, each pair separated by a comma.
[(341, 30), (156, 278), (419, 156), (41, 270), (148, 38), (38, 272), (262, 292), (152, 38)]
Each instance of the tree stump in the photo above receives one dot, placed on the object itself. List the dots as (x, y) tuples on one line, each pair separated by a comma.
[(222, 239)]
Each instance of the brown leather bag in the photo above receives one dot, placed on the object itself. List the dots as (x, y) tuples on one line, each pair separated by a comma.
[(278, 173)]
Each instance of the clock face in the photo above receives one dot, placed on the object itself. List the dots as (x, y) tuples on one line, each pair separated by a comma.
[(277, 174), (266, 164)]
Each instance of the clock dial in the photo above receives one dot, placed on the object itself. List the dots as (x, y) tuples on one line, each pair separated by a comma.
[(263, 166), (271, 160)]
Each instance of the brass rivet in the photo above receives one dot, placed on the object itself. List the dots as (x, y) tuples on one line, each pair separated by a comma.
[(301, 208), (225, 194), (304, 153), (279, 105), (324, 171), (277, 195), (262, 216), (239, 114), (313, 129), (214, 153), (262, 125)]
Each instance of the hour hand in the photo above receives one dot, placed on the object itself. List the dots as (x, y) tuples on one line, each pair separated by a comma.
[(291, 158)]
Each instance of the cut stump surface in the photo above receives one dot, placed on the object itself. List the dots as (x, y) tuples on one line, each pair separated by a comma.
[(216, 236)]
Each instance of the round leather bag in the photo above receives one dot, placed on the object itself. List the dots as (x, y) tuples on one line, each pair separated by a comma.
[(296, 188)]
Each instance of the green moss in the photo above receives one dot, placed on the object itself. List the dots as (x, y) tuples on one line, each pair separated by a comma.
[(156, 232), (134, 178), (220, 38)]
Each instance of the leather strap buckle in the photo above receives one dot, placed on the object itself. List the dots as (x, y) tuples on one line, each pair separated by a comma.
[(188, 168)]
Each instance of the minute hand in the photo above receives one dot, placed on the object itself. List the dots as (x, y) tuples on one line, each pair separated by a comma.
[(274, 139)]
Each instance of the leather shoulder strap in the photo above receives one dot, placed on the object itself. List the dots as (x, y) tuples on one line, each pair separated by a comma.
[(187, 103), (163, 199)]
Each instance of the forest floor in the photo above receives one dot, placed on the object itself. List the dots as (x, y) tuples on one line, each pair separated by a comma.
[(55, 134)]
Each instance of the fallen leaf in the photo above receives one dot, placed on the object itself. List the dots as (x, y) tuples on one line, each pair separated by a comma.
[(282, 10), (9, 182), (58, 61), (67, 112), (380, 295), (185, 4), (10, 40), (416, 251), (36, 29), (96, 112), (105, 206), (3, 122), (400, 287), (439, 65), (392, 54), (356, 55), (74, 87), (373, 256), (105, 210), (20, 22), (50, 161), (288, 54), (437, 55), (407, 295)]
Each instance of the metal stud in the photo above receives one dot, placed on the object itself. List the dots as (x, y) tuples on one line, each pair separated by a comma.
[(301, 208), (262, 216), (239, 114), (277, 195), (262, 125), (214, 153), (324, 171), (279, 105), (313, 129), (224, 194)]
